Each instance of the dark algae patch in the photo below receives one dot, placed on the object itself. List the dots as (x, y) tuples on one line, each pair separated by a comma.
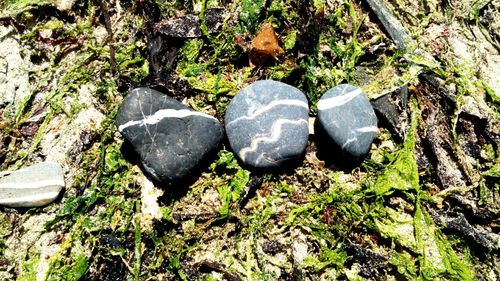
[(423, 204)]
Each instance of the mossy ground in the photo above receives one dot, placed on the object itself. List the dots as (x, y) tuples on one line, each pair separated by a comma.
[(390, 217)]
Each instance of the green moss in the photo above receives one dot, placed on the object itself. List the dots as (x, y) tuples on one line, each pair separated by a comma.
[(437, 258), (280, 71), (106, 200), (29, 269), (231, 191), (191, 50), (130, 63), (402, 172), (405, 265), (476, 8), (397, 226), (213, 84), (14, 7), (78, 269), (114, 160), (331, 251), (71, 262), (200, 76), (493, 172), (138, 246), (335, 210), (250, 13), (495, 97), (5, 230), (290, 40)]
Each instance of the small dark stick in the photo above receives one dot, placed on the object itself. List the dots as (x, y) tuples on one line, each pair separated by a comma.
[(392, 25), (109, 29), (396, 30)]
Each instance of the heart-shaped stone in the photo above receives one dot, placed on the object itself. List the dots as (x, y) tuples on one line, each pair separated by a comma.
[(170, 138)]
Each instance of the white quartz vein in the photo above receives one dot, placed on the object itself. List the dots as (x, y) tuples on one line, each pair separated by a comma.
[(338, 100), (270, 106), (31, 185), (162, 114), (43, 197), (275, 136), (348, 141), (367, 129)]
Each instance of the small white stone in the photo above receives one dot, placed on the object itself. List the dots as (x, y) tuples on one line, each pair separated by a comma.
[(63, 5), (34, 186)]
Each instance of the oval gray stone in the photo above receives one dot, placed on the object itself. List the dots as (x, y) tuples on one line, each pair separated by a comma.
[(347, 116), (33, 186), (266, 124), (170, 138)]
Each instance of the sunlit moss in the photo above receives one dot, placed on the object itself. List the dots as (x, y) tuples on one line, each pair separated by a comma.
[(250, 14), (29, 269), (402, 172)]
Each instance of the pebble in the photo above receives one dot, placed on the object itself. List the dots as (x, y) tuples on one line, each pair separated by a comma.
[(267, 124), (348, 118), (170, 138), (33, 186)]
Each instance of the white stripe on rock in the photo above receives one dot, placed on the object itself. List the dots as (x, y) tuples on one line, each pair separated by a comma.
[(324, 104), (30, 200), (275, 135), (367, 129), (162, 114), (32, 185), (270, 106), (348, 142)]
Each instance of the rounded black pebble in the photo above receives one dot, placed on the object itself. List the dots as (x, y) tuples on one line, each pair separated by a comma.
[(267, 124), (348, 119), (170, 138)]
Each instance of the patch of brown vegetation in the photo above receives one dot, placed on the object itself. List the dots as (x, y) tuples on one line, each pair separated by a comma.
[(265, 45)]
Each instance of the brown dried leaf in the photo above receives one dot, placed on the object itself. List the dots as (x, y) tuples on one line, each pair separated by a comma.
[(265, 45)]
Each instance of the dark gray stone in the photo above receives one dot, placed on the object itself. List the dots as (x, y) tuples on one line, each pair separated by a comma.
[(170, 138), (347, 116), (189, 26), (390, 22), (266, 124), (391, 110), (396, 30)]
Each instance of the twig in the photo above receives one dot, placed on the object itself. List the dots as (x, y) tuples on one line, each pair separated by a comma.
[(109, 29), (130, 269)]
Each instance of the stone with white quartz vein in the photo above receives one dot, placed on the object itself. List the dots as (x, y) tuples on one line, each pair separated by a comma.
[(33, 186), (170, 138), (266, 124), (347, 117)]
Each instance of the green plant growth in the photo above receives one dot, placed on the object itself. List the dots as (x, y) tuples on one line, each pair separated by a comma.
[(402, 173)]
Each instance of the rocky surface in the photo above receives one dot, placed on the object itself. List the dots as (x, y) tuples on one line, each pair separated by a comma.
[(189, 26), (170, 138), (34, 186), (390, 109), (266, 124), (347, 116), (14, 68), (316, 222)]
